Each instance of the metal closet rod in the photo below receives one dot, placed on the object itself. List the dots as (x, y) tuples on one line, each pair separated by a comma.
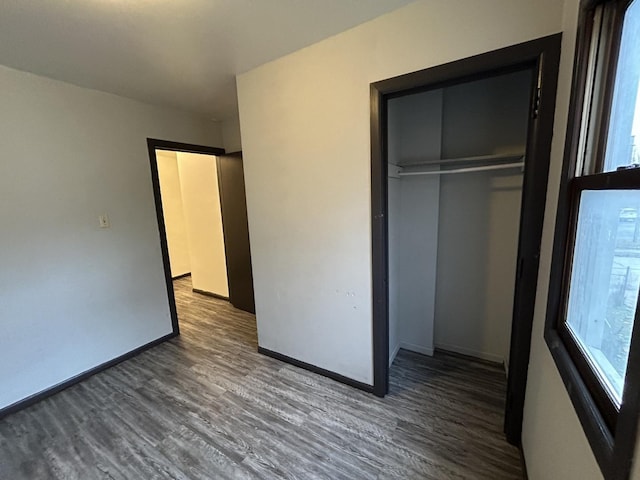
[(503, 166)]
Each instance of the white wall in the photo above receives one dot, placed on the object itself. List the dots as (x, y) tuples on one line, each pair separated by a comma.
[(414, 125), (477, 252), (413, 243), (203, 218), (172, 209), (414, 134), (480, 216), (72, 295), (305, 134), (488, 116), (418, 258)]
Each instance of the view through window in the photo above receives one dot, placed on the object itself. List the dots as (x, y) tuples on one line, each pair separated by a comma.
[(595, 282), (605, 271)]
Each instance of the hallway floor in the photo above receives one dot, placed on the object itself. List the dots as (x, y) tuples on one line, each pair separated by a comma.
[(206, 405)]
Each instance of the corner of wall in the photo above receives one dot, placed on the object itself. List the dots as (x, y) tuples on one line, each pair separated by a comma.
[(231, 137)]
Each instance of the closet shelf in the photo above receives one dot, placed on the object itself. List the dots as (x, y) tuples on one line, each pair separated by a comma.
[(502, 157)]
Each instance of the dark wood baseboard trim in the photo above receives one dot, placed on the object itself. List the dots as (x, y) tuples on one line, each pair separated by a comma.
[(178, 277), (320, 371), (471, 358), (35, 398), (209, 294)]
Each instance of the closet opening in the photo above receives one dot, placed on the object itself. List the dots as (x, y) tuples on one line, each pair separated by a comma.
[(459, 166)]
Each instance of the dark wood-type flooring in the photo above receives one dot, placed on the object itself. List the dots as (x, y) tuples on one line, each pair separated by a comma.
[(206, 405)]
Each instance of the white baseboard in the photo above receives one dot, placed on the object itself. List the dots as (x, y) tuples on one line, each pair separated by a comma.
[(470, 353), (393, 354), (417, 348)]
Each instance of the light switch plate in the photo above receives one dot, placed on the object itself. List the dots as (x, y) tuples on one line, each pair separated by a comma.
[(104, 221)]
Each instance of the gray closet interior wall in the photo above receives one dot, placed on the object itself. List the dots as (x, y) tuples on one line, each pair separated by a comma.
[(415, 132), (453, 238)]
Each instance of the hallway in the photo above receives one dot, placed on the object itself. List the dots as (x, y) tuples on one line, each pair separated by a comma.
[(207, 405)]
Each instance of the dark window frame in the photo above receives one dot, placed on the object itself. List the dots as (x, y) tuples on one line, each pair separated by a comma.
[(611, 434)]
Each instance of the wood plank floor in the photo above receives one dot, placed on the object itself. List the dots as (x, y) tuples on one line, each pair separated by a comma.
[(206, 405)]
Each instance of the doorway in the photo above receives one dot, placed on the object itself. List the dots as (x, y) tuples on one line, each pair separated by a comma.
[(202, 222), (541, 59)]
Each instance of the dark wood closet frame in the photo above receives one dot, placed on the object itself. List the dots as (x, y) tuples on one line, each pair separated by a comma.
[(543, 57), (154, 144)]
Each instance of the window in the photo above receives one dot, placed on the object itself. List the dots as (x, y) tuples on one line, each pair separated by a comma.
[(595, 278)]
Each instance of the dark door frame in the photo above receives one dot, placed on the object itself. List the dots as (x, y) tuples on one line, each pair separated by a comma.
[(152, 145), (543, 56)]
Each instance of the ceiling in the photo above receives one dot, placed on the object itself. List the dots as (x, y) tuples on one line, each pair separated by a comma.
[(179, 53)]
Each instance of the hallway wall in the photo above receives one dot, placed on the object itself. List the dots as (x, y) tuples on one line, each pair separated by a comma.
[(173, 211), (203, 220)]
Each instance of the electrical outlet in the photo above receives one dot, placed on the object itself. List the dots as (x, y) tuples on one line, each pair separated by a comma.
[(104, 221)]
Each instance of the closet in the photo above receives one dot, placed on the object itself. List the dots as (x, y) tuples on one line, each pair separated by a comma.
[(456, 156)]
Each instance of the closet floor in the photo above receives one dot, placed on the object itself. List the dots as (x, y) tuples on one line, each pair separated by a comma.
[(206, 405)]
